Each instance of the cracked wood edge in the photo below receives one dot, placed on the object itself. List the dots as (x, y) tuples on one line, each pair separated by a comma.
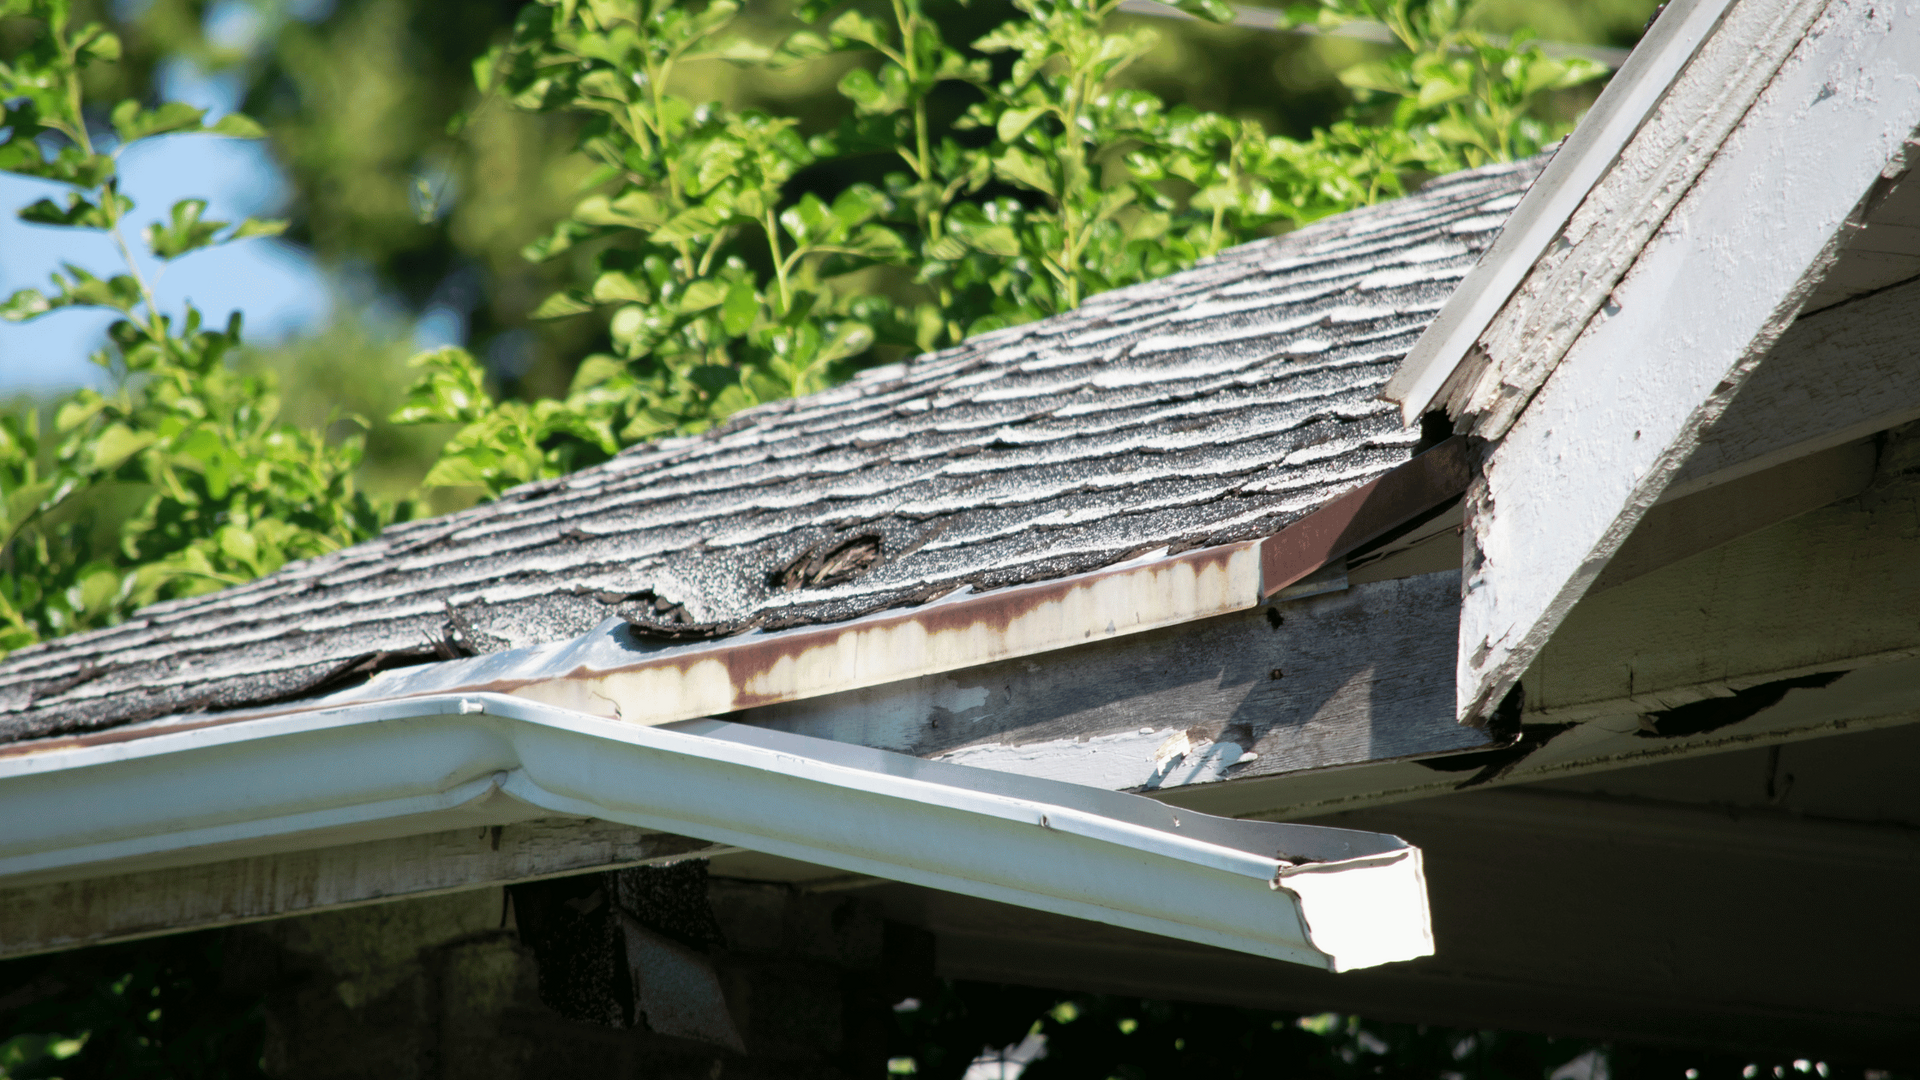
[(1703, 302), (1344, 678), (1572, 280)]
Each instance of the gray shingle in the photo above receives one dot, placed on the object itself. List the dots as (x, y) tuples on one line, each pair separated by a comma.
[(1211, 406)]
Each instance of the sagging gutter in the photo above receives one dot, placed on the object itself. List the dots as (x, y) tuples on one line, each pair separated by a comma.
[(1331, 898), (612, 673)]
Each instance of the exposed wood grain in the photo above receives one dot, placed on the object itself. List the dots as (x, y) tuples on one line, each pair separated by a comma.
[(1344, 678), (1568, 285), (1598, 444), (92, 911), (1834, 376)]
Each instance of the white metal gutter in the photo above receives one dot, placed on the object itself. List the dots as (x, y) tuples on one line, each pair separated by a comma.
[(1331, 898), (1628, 100)]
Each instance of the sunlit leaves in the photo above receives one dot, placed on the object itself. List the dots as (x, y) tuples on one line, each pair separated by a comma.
[(131, 122), (1468, 96), (184, 231), (79, 211), (179, 479)]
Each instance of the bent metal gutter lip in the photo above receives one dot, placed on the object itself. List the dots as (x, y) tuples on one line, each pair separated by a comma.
[(1078, 851), (610, 673)]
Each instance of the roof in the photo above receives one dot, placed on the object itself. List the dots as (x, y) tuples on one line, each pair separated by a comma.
[(1208, 407)]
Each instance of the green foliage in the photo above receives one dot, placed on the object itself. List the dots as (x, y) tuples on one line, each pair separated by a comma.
[(731, 278), (1101, 1037), (163, 1009), (1471, 97), (180, 479)]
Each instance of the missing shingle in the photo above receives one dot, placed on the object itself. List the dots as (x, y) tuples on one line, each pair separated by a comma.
[(823, 565), (1436, 427)]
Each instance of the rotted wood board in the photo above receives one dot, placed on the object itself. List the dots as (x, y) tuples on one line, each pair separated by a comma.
[(1338, 679)]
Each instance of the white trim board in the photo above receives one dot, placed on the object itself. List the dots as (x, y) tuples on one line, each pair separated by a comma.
[(1703, 301), (1580, 162)]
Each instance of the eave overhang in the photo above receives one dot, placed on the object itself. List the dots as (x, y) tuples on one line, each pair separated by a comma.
[(1331, 898)]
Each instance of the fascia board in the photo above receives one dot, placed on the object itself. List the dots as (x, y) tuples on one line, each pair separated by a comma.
[(1702, 305), (1629, 98), (1330, 898)]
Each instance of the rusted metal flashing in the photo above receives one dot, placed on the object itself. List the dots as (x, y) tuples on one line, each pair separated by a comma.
[(1365, 514)]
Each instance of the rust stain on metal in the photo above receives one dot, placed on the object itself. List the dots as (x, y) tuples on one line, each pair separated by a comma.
[(946, 635), (1364, 514)]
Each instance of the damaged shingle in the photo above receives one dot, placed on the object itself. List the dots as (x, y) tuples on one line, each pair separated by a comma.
[(1214, 405)]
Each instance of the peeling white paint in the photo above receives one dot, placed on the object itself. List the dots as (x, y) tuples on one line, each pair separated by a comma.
[(1704, 300), (1149, 758)]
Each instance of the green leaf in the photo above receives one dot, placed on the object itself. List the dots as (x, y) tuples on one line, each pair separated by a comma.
[(452, 389), (853, 25), (253, 227), (184, 232), (237, 126), (1211, 10), (800, 47), (702, 295), (634, 209), (1025, 169), (875, 97), (1014, 121), (742, 307), (560, 305), (116, 444), (77, 412), (79, 213), (69, 166), (133, 122), (617, 287)]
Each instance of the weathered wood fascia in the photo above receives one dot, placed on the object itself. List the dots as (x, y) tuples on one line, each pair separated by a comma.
[(1571, 282), (1332, 681), (1700, 307), (1536, 224)]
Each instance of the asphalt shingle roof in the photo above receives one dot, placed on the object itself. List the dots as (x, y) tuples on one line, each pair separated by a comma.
[(1211, 406)]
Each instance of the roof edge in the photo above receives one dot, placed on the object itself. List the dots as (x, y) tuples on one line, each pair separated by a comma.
[(612, 673), (1630, 97)]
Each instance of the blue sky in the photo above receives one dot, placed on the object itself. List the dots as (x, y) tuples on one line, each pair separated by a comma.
[(278, 287)]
